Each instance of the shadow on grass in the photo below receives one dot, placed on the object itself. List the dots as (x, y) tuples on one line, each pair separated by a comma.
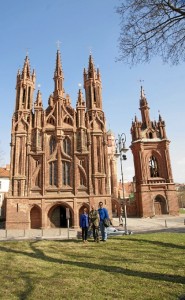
[(162, 244), (39, 254), (60, 240), (28, 285)]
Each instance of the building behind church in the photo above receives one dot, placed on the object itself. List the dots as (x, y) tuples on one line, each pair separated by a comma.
[(4, 187)]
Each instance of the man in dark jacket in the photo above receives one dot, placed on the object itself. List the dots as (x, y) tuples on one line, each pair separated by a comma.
[(103, 213)]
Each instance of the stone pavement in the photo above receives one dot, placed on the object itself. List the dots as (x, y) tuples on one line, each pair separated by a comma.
[(38, 234), (160, 223), (135, 225)]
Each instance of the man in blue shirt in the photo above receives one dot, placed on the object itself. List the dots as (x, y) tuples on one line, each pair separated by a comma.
[(103, 213)]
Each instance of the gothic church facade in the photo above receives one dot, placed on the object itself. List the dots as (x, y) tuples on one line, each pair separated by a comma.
[(60, 161)]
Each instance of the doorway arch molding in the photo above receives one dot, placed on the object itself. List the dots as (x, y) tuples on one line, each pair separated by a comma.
[(160, 205), (61, 205)]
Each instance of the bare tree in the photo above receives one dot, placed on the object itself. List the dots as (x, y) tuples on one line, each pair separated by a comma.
[(150, 28), (181, 196)]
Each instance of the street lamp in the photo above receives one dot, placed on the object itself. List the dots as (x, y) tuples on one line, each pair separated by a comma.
[(120, 152)]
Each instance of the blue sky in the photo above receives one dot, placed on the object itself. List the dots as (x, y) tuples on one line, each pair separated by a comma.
[(83, 26)]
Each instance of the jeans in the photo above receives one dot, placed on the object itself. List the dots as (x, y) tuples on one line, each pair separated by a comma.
[(103, 230)]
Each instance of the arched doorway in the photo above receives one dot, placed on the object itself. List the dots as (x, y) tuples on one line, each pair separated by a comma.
[(116, 208), (57, 216), (35, 217), (160, 205)]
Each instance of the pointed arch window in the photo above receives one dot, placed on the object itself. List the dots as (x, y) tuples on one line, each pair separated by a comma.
[(68, 120), (82, 179), (38, 180), (78, 141), (153, 165), (29, 96), (24, 97), (98, 140), (99, 95), (17, 100), (100, 186), (95, 96), (53, 173), (89, 97), (150, 135), (66, 172), (20, 161), (39, 139), (67, 145), (19, 188), (51, 121), (52, 145)]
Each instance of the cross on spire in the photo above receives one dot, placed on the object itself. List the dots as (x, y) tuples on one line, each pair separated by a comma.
[(58, 44), (27, 51), (141, 80), (90, 50)]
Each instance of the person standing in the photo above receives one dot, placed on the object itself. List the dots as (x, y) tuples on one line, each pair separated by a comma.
[(84, 224), (103, 214), (94, 223)]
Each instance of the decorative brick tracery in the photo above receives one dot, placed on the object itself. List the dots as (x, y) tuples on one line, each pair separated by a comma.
[(155, 190), (59, 155)]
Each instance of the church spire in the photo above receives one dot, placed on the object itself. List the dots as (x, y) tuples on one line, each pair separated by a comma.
[(161, 126), (144, 109), (26, 68), (80, 101), (38, 109), (91, 68), (25, 87), (38, 102), (143, 101), (92, 85), (58, 76), (80, 109)]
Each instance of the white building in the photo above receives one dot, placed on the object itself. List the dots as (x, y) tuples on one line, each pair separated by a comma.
[(4, 185)]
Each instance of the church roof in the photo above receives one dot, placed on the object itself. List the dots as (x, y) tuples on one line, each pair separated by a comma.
[(4, 172)]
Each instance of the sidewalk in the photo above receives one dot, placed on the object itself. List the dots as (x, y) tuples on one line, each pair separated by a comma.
[(38, 234), (164, 222)]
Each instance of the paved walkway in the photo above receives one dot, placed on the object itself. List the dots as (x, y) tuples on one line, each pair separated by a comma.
[(135, 225), (165, 222)]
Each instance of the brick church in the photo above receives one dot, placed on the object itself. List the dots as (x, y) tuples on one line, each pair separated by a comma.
[(62, 159), (155, 192)]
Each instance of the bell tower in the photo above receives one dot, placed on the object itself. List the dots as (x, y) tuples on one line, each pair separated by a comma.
[(155, 190)]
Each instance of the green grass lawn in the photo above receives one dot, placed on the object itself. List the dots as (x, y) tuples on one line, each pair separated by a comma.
[(143, 266)]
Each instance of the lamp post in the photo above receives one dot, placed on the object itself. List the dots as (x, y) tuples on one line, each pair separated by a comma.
[(120, 152)]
